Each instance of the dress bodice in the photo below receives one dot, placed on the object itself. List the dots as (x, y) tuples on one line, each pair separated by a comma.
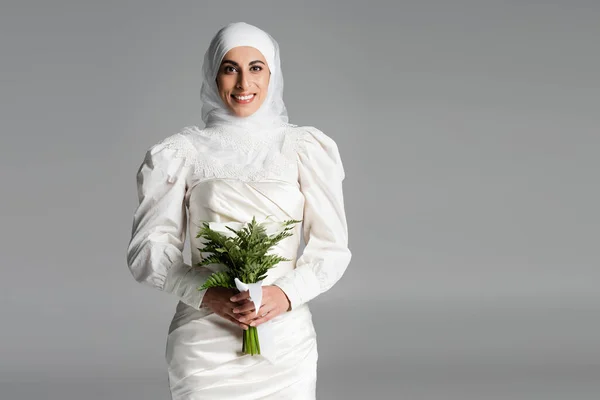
[(230, 176), (230, 201)]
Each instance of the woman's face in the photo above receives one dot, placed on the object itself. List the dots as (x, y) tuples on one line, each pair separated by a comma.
[(243, 80)]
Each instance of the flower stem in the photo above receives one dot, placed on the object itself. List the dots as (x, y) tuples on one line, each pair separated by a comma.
[(250, 342), (257, 341)]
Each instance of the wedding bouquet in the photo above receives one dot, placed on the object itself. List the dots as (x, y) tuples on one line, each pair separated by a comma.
[(243, 252)]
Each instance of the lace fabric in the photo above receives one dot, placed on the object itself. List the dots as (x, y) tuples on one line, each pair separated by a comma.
[(200, 148)]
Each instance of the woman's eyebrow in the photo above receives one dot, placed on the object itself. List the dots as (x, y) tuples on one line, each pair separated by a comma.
[(237, 65)]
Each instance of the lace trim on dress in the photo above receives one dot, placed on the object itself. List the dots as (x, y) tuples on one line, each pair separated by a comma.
[(237, 138), (183, 148), (276, 164)]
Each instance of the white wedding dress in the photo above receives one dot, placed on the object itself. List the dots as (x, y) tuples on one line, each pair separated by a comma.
[(231, 175)]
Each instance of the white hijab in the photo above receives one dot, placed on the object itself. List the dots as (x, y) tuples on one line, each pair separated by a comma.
[(272, 113)]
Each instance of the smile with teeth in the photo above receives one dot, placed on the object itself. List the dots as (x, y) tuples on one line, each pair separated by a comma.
[(244, 99)]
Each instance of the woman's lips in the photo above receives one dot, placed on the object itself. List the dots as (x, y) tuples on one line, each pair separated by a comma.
[(244, 99)]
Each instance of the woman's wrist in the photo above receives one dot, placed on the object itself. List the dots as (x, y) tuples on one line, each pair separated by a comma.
[(205, 299), (289, 303)]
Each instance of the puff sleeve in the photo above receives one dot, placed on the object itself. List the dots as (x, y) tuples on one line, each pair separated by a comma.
[(326, 255), (155, 251)]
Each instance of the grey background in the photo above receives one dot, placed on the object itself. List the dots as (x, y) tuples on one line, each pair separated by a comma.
[(469, 135)]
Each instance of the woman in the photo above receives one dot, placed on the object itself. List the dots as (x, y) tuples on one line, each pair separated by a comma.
[(248, 161)]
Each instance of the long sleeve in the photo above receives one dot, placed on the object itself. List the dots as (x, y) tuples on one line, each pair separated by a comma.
[(326, 255), (155, 251)]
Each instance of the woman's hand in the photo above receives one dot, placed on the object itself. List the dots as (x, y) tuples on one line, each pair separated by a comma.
[(274, 302), (218, 300)]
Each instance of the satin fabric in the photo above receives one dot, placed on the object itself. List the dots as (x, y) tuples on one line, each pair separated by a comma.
[(204, 350)]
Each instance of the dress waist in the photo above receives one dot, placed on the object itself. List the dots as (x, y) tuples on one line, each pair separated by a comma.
[(185, 314)]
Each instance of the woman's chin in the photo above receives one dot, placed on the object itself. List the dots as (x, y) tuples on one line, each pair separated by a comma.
[(242, 112)]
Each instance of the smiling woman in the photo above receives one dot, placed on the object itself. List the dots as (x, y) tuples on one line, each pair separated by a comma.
[(243, 80), (247, 162)]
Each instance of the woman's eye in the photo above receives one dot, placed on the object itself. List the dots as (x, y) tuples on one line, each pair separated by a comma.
[(231, 69)]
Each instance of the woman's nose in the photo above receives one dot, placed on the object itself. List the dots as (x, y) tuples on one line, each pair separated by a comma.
[(242, 82)]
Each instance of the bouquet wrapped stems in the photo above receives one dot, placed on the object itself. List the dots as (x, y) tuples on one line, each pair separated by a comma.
[(251, 344), (243, 253)]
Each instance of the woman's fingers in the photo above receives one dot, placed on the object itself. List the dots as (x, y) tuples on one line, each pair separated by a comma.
[(266, 308), (251, 314), (244, 309), (240, 310), (235, 321), (266, 313), (245, 295), (221, 304), (238, 319)]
